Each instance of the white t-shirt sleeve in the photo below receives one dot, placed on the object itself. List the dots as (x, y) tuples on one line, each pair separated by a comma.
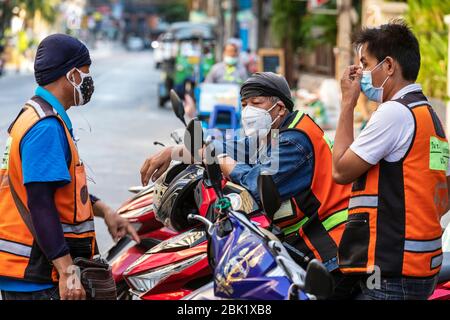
[(388, 134)]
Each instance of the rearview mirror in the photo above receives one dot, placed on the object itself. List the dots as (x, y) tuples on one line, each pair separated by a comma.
[(193, 138), (177, 106), (213, 170), (318, 280), (269, 195)]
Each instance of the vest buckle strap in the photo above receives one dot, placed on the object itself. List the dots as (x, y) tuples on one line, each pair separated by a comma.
[(15, 248)]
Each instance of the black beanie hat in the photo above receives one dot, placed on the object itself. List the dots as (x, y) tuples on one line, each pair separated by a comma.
[(56, 55), (268, 84)]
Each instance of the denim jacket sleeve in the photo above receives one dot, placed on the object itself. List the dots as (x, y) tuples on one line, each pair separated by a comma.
[(291, 164)]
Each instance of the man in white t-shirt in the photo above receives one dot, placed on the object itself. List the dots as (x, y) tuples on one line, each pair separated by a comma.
[(399, 168)]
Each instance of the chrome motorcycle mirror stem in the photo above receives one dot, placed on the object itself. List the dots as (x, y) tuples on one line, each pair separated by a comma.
[(208, 224)]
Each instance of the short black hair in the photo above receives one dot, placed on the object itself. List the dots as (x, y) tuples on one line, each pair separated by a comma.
[(396, 40)]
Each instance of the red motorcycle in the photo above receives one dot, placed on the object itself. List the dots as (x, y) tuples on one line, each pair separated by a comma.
[(179, 265), (139, 210)]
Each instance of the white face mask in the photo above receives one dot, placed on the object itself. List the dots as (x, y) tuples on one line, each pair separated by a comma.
[(257, 121), (85, 88)]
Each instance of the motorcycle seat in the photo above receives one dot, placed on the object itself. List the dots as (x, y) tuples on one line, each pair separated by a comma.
[(444, 274)]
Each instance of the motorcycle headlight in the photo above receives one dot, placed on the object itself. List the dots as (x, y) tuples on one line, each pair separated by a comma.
[(144, 282)]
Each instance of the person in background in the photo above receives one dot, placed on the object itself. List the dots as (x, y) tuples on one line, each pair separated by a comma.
[(230, 70), (47, 214)]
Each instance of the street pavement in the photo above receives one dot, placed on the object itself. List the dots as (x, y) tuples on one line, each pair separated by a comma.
[(116, 129)]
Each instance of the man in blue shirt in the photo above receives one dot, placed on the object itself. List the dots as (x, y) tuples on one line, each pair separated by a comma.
[(62, 72), (290, 147), (290, 159)]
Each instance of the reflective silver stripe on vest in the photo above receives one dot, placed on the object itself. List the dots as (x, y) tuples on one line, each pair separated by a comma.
[(363, 201), (37, 107), (436, 261), (423, 246), (418, 103), (87, 226), (15, 248)]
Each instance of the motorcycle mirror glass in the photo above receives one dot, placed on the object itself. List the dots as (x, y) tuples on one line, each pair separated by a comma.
[(193, 138), (177, 106), (213, 169), (318, 280), (269, 195)]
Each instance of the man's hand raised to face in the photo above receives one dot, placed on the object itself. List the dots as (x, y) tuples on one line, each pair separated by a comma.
[(350, 85)]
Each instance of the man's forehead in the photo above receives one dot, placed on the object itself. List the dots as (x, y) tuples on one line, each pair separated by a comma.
[(363, 53), (256, 98)]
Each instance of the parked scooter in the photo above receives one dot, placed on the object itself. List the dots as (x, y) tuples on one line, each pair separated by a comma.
[(179, 265), (250, 262), (139, 210)]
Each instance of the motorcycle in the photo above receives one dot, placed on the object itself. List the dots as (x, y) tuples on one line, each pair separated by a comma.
[(250, 262), (179, 265), (139, 211)]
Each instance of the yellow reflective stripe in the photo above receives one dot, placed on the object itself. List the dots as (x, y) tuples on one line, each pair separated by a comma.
[(296, 120), (295, 227), (329, 223), (335, 219)]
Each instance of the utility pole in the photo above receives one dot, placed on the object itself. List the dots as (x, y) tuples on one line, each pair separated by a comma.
[(220, 29), (233, 20), (344, 44), (260, 26)]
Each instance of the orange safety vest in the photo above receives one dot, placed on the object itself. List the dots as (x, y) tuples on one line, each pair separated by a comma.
[(20, 255), (319, 213), (395, 207)]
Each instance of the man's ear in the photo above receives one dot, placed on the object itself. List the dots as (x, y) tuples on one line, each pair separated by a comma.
[(283, 109), (74, 76), (390, 65)]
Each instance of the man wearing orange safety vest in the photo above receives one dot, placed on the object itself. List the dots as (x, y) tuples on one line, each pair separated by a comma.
[(399, 168), (300, 160), (46, 212)]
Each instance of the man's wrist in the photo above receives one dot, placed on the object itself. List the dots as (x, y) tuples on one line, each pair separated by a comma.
[(63, 264), (93, 199), (348, 104)]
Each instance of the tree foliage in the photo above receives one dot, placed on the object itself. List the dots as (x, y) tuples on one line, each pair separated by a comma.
[(426, 18), (286, 21), (319, 29), (174, 11), (47, 8)]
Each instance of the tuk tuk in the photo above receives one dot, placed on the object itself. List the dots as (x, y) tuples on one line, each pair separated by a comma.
[(194, 47)]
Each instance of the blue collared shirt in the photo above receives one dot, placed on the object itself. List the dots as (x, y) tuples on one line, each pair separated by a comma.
[(291, 162)]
